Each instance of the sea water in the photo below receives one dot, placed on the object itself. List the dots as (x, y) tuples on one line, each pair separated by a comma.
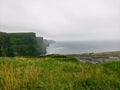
[(78, 47)]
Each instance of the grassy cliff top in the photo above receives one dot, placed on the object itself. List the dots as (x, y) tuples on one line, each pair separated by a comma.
[(55, 72)]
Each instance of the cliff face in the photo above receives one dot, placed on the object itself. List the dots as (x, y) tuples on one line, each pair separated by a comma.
[(24, 44), (42, 46), (21, 44), (5, 45), (46, 42)]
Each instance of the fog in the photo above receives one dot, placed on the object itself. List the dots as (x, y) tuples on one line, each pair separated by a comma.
[(62, 19)]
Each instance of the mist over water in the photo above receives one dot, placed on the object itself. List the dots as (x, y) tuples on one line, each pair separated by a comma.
[(78, 47)]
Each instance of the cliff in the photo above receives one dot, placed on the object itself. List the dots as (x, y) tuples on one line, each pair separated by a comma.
[(46, 42), (21, 44), (24, 44), (5, 45), (42, 45), (51, 41)]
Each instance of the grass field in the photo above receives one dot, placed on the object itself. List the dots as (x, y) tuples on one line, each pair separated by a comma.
[(57, 73)]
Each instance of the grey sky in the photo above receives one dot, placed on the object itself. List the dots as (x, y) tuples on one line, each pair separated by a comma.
[(63, 19)]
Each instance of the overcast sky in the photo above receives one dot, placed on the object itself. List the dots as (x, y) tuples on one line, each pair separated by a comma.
[(62, 19)]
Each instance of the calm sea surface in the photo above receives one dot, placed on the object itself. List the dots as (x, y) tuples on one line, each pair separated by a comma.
[(78, 47)]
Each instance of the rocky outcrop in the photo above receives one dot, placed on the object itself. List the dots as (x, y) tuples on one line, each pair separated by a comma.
[(97, 58)]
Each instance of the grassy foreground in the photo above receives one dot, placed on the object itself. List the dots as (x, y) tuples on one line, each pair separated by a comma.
[(57, 73)]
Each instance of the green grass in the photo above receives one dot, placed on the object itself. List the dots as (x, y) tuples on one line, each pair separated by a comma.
[(57, 73)]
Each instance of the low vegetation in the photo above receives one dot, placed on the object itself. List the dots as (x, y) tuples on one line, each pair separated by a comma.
[(55, 72)]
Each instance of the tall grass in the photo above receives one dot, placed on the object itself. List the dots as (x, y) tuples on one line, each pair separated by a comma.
[(57, 73), (16, 75)]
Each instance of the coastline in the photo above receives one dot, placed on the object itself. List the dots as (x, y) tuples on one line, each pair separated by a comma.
[(97, 58)]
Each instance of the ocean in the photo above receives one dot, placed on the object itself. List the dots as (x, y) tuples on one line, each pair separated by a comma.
[(79, 47)]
